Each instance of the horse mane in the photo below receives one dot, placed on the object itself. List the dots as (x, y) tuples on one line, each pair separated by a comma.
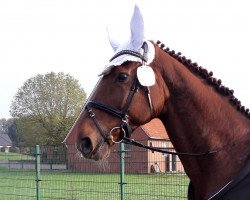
[(208, 76)]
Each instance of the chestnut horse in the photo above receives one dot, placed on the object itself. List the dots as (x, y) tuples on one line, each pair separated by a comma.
[(198, 112)]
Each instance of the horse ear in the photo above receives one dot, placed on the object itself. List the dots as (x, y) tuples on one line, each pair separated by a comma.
[(137, 29), (114, 44)]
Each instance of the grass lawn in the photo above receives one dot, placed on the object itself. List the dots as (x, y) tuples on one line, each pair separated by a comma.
[(20, 184), (14, 156)]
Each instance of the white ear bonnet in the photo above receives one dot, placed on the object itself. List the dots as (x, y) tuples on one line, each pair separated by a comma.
[(134, 45)]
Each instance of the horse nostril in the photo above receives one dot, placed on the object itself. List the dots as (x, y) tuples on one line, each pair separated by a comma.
[(86, 146)]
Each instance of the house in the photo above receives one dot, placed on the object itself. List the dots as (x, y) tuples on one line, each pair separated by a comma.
[(5, 143), (137, 160)]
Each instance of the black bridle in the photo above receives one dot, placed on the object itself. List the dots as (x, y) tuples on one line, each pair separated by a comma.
[(121, 114), (125, 128)]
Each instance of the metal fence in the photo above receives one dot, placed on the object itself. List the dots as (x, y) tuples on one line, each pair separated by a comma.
[(57, 172)]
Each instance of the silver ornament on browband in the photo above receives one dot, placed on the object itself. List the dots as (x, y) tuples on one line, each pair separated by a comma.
[(146, 75)]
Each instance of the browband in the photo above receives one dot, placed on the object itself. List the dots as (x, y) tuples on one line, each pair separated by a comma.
[(129, 52)]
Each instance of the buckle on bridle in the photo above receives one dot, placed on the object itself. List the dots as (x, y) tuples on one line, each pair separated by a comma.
[(111, 137), (91, 113)]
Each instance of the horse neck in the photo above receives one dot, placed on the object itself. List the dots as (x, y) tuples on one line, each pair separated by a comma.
[(199, 119)]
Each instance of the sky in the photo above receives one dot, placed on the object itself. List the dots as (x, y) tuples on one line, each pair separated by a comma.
[(70, 36)]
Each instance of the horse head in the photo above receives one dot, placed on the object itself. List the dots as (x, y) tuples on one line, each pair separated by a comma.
[(130, 93)]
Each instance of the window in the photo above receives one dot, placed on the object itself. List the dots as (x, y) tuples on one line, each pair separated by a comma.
[(127, 149)]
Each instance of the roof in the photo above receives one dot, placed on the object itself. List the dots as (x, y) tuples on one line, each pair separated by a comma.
[(5, 140), (155, 129)]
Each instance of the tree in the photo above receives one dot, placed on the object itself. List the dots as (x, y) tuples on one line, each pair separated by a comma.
[(46, 106), (3, 122), (8, 127), (12, 131)]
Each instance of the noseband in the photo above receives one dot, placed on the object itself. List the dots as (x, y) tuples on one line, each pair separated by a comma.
[(122, 114)]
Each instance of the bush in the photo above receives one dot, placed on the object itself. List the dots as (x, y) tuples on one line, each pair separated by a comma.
[(14, 150)]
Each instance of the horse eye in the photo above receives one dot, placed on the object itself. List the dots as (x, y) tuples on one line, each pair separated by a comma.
[(122, 77)]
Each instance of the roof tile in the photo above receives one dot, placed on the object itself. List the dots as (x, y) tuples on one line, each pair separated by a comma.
[(155, 129)]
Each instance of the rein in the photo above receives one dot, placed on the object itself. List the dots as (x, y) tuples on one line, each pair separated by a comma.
[(157, 149), (125, 127)]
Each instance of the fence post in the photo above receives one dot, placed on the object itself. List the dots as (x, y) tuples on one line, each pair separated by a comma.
[(38, 169), (122, 152)]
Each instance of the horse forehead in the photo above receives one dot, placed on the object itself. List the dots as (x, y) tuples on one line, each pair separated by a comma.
[(126, 68), (129, 69)]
